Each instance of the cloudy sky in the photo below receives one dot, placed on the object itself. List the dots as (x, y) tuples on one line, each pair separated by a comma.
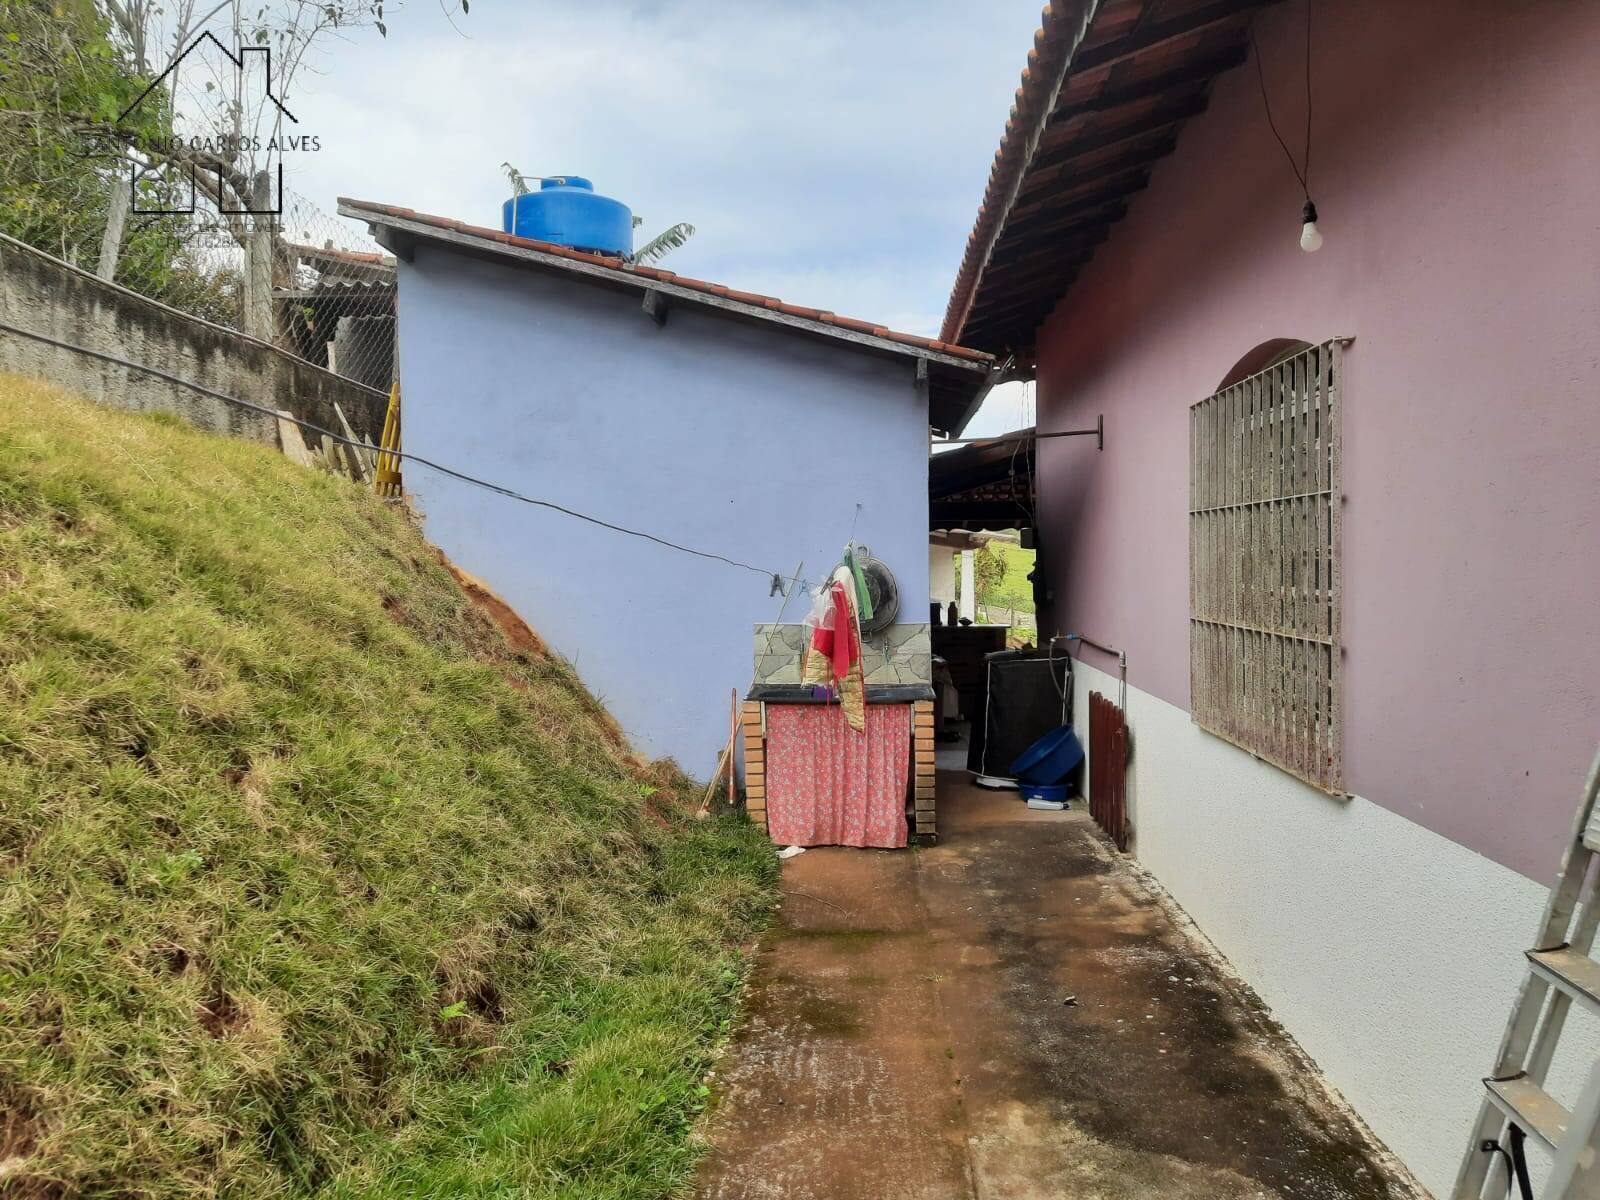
[(831, 153)]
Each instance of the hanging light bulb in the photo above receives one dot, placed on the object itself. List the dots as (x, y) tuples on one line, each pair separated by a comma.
[(1310, 235)]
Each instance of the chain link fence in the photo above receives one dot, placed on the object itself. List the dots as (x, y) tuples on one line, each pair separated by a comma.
[(329, 289)]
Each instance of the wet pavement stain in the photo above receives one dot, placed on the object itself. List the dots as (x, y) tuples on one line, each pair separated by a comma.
[(1012, 1015)]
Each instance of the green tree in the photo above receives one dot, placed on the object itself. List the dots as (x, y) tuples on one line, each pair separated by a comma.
[(988, 572), (59, 74), (63, 83)]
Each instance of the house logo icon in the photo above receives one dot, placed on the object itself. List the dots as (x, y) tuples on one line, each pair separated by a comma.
[(214, 164)]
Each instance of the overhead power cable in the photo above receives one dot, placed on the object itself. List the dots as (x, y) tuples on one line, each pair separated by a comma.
[(498, 489)]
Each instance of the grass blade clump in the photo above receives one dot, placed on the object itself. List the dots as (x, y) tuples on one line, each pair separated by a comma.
[(310, 882)]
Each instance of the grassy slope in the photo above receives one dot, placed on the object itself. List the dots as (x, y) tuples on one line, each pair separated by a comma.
[(309, 883)]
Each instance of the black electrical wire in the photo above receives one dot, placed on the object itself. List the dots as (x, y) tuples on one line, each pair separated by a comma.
[(1308, 101), (497, 488), (1304, 176)]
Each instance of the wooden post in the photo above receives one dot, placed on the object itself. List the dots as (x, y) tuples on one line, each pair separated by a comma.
[(733, 746), (359, 468)]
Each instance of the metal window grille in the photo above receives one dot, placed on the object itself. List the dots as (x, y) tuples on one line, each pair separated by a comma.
[(1264, 565)]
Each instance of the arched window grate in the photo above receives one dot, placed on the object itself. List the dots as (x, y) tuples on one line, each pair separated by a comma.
[(1264, 564)]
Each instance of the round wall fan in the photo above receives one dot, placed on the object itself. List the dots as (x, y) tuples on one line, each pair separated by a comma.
[(881, 589)]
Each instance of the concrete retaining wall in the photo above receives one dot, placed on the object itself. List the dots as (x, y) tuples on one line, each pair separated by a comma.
[(47, 296)]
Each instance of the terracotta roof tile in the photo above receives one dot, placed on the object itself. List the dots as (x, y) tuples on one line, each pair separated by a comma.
[(1050, 41), (1072, 30), (862, 326), (612, 262), (363, 258)]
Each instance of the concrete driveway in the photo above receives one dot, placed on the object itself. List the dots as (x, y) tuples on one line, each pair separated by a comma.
[(1013, 1014)]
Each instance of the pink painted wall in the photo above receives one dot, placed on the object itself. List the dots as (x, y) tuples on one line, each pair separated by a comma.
[(1456, 163)]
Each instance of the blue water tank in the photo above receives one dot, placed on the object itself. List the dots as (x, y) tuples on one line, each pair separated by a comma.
[(566, 210)]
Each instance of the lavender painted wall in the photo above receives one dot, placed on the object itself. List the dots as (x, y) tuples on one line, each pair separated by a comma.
[(1454, 163), (711, 432)]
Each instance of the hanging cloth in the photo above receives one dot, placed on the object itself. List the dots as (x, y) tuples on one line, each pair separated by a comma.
[(835, 644), (852, 684), (834, 654), (858, 579)]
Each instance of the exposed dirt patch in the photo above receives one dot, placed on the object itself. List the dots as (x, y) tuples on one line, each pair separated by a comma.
[(220, 1014), (20, 1123), (528, 647), (173, 959), (239, 766), (22, 1126), (518, 632)]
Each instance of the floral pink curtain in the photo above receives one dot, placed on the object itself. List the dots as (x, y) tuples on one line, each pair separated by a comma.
[(828, 785)]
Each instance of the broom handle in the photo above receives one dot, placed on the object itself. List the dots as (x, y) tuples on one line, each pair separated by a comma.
[(733, 745)]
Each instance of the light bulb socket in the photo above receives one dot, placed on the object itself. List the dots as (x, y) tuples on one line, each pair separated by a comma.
[(1308, 212)]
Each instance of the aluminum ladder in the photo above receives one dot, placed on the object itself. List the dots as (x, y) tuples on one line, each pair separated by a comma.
[(1561, 972)]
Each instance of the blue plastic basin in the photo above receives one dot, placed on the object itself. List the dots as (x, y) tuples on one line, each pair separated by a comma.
[(1050, 759), (1043, 791)]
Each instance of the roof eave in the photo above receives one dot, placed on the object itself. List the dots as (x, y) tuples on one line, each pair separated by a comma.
[(614, 277), (1106, 94), (1013, 158)]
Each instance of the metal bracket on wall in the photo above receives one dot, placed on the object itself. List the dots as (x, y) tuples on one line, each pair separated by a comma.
[(655, 306), (1098, 433)]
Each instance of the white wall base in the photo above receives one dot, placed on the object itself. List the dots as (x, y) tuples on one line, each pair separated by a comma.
[(1390, 953)]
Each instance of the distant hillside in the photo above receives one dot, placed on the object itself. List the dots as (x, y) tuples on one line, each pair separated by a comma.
[(310, 882)]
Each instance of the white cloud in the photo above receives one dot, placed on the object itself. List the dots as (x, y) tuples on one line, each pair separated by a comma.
[(833, 154)]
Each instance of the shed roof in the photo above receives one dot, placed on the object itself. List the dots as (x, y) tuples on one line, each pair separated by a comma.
[(1108, 87), (957, 375), (987, 485), (333, 258)]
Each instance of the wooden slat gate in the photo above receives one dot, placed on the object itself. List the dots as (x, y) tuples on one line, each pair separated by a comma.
[(1108, 768)]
